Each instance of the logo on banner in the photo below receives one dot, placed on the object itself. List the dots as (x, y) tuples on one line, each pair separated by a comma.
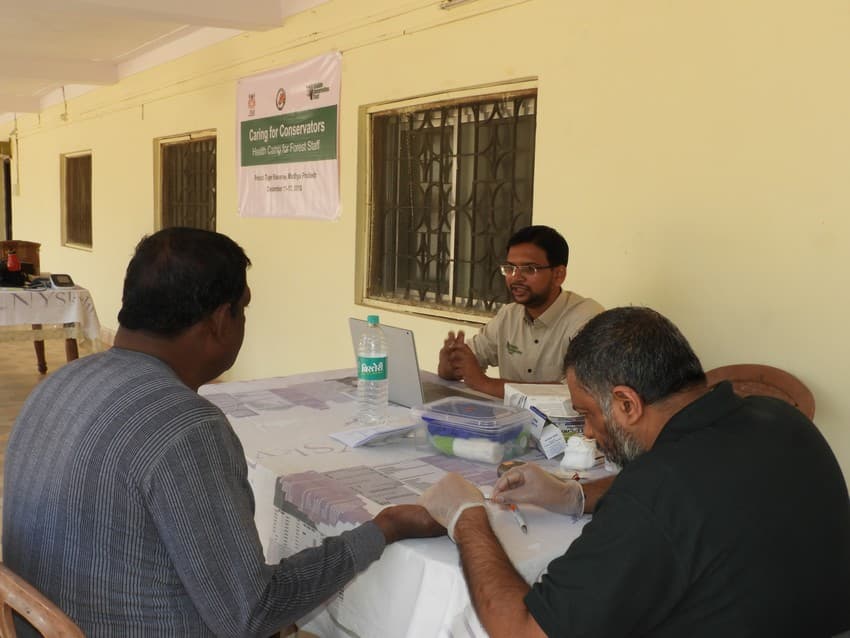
[(252, 103), (280, 99), (315, 90)]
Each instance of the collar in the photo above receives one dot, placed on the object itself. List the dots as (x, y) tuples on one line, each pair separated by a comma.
[(551, 314), (708, 409)]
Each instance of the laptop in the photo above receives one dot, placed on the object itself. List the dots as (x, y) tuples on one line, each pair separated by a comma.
[(406, 385)]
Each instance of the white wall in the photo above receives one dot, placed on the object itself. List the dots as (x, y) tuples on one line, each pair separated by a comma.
[(695, 155)]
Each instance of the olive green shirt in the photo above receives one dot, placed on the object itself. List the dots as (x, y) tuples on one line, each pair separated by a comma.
[(533, 350)]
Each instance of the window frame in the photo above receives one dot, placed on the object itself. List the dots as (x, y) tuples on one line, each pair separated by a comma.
[(159, 145), (365, 203), (63, 170)]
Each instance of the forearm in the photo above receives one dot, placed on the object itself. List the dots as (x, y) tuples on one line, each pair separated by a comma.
[(595, 490), (306, 579), (496, 588), (488, 385)]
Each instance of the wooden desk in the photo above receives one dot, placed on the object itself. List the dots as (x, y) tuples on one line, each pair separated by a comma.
[(36, 315)]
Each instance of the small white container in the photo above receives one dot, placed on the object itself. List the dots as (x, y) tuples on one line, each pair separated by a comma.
[(580, 453)]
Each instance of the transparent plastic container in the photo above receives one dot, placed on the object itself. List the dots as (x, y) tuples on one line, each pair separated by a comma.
[(476, 430)]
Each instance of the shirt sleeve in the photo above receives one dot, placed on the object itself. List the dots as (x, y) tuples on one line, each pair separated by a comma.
[(619, 578), (202, 506), (485, 345), (581, 313)]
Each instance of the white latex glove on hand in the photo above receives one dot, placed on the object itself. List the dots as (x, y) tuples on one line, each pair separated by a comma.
[(448, 498), (529, 483)]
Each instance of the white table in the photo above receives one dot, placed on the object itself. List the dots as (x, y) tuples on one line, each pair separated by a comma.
[(36, 315), (308, 486)]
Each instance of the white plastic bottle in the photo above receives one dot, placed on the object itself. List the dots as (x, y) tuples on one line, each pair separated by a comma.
[(373, 385)]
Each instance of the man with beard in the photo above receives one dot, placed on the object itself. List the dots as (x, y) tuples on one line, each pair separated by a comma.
[(528, 338), (730, 516)]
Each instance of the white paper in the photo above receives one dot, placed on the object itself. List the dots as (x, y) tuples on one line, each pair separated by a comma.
[(372, 434)]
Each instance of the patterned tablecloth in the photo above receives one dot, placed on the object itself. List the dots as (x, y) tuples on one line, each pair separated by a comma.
[(62, 312), (308, 486)]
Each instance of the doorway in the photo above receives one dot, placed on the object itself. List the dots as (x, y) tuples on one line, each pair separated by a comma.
[(6, 199)]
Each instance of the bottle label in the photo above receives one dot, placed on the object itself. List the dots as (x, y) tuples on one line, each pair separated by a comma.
[(372, 368)]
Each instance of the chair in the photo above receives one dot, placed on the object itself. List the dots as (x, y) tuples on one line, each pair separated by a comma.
[(17, 594), (755, 379), (27, 252)]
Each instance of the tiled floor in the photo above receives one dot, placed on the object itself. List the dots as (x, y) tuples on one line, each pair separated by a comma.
[(18, 376)]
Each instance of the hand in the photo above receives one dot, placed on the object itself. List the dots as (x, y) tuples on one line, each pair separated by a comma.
[(448, 498), (407, 521), (529, 483), (444, 367), (463, 362)]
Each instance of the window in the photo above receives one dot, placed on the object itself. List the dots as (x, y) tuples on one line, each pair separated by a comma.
[(187, 192), (450, 183), (76, 200)]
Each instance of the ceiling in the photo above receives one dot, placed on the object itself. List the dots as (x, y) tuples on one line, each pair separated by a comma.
[(55, 49)]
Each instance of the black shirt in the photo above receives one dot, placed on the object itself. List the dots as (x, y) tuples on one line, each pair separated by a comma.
[(735, 523)]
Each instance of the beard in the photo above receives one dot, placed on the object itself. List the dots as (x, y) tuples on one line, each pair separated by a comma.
[(527, 297), (621, 447)]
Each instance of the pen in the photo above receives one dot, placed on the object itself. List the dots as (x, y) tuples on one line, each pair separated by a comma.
[(519, 518)]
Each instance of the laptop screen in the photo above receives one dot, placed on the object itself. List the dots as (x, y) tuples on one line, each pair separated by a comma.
[(402, 363)]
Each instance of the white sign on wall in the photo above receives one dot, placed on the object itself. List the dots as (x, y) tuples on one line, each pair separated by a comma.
[(287, 143)]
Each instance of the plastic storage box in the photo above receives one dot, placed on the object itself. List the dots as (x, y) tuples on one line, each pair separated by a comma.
[(476, 430)]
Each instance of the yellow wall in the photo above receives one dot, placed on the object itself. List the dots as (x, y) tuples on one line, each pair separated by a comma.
[(695, 155)]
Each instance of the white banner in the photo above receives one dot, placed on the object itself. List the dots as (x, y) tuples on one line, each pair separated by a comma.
[(287, 143)]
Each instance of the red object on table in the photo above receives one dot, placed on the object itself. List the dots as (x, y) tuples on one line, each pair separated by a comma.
[(13, 264)]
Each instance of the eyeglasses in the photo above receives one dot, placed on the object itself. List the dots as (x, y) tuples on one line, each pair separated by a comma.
[(510, 270)]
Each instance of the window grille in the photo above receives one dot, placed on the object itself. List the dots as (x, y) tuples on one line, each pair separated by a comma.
[(451, 182), (77, 182), (188, 186)]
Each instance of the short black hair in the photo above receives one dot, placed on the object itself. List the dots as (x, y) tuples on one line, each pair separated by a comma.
[(550, 240), (636, 347), (178, 276)]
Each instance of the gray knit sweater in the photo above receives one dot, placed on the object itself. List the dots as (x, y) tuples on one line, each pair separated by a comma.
[(126, 503)]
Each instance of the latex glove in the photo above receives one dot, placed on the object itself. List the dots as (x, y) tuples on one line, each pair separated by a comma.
[(530, 483), (447, 499)]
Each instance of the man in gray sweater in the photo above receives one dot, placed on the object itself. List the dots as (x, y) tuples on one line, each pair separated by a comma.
[(126, 493)]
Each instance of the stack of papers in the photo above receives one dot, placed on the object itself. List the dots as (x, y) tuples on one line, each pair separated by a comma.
[(373, 434)]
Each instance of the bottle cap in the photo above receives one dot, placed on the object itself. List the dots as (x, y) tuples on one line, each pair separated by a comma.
[(372, 320)]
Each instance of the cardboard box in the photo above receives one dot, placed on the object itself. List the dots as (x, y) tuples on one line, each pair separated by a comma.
[(553, 399), (553, 416)]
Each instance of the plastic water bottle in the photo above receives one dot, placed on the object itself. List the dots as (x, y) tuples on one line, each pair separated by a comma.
[(373, 385)]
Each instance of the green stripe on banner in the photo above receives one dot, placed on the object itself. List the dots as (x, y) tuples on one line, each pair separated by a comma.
[(305, 136)]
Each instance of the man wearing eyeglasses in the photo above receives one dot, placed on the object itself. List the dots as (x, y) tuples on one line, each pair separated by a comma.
[(527, 339)]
